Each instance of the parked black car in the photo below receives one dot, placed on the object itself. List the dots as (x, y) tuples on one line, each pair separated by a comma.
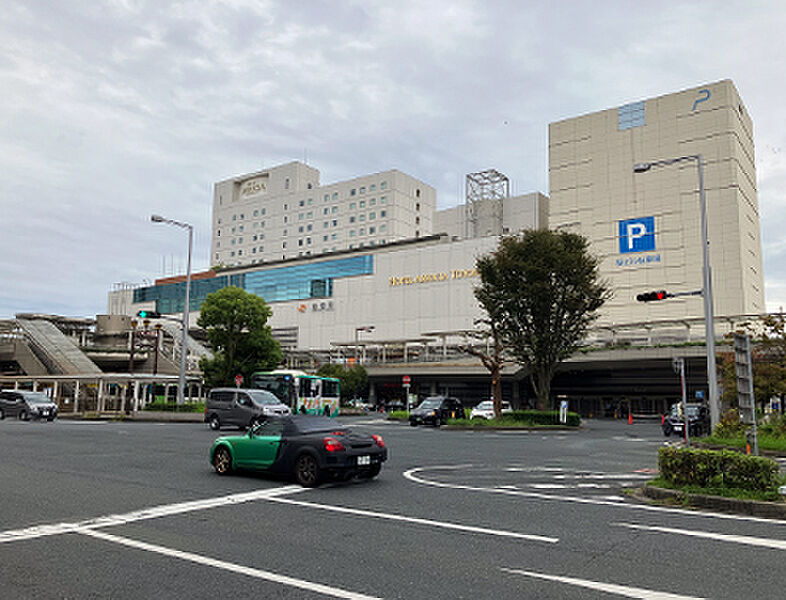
[(698, 420), (27, 405), (309, 447), (435, 410)]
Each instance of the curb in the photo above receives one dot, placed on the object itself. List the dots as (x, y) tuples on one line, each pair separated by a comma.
[(753, 508), (140, 416)]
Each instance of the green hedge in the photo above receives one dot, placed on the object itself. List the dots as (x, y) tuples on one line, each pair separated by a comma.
[(717, 469), (188, 407)]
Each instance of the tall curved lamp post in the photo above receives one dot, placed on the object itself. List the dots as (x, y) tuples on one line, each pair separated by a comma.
[(183, 347), (706, 292)]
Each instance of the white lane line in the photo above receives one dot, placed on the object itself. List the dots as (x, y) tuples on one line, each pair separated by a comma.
[(227, 566), (164, 510), (412, 476), (611, 588), (418, 521), (723, 537)]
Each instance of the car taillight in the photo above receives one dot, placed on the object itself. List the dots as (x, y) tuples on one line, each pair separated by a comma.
[(332, 444), (378, 440)]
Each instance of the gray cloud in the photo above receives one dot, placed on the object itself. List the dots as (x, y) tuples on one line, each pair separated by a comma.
[(114, 110)]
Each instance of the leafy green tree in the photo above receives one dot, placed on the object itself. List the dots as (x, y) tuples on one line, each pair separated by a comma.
[(768, 357), (353, 380), (237, 330), (542, 291)]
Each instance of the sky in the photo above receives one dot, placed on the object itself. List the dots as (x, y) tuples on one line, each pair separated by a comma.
[(111, 111)]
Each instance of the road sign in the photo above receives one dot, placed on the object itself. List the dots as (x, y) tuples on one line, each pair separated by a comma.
[(405, 380), (238, 380), (745, 399)]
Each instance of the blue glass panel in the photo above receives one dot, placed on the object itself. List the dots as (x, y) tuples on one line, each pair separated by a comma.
[(630, 115)]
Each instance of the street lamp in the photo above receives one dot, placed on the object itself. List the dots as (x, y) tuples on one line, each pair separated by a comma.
[(368, 328), (709, 316), (183, 348)]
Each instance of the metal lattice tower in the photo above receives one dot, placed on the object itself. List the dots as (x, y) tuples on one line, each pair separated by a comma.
[(485, 187)]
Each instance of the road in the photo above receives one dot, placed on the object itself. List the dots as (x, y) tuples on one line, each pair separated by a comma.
[(134, 510)]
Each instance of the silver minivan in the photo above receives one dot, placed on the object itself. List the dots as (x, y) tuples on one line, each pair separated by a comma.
[(241, 407)]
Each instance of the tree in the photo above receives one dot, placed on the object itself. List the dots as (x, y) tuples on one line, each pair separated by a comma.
[(353, 381), (768, 358), (237, 330), (492, 358), (542, 291)]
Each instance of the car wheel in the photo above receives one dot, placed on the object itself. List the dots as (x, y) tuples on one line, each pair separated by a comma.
[(437, 422), (23, 416), (214, 423), (372, 472), (667, 430), (307, 470), (222, 461), (413, 424)]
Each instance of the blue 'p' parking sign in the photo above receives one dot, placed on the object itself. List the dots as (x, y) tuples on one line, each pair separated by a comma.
[(637, 235)]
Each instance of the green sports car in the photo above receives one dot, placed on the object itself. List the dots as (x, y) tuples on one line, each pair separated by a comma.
[(310, 448)]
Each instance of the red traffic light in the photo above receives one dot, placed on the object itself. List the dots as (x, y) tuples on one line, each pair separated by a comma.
[(653, 296)]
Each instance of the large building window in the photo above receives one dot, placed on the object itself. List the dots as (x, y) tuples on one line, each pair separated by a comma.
[(630, 116)]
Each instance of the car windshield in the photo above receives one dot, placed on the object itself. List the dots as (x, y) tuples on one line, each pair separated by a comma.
[(693, 410), (430, 403), (37, 398), (315, 423), (485, 405), (263, 397)]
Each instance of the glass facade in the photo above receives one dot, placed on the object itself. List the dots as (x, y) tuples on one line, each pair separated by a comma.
[(297, 282), (170, 298), (630, 116), (300, 282)]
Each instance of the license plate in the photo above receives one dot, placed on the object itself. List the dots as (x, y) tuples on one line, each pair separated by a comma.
[(364, 460)]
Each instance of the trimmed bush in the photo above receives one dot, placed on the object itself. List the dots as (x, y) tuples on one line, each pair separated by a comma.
[(717, 469), (188, 407)]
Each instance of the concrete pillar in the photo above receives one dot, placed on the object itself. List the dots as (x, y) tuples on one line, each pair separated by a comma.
[(433, 389), (135, 406), (55, 390), (100, 403), (76, 395), (123, 390), (372, 393), (35, 385)]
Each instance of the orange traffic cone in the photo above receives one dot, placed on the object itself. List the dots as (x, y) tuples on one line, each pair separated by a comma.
[(630, 418)]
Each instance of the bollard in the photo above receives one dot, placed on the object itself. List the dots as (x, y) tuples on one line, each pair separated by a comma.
[(630, 418)]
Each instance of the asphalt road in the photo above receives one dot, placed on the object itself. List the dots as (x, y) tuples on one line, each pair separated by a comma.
[(134, 510)]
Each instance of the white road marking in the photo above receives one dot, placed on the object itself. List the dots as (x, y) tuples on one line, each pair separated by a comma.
[(603, 476), (165, 510), (611, 588), (723, 537), (227, 566), (418, 521), (411, 475), (568, 486)]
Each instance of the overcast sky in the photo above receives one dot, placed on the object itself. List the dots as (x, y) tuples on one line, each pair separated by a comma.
[(113, 110)]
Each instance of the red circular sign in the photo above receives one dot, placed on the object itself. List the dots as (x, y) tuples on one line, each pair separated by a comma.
[(238, 380), (405, 379)]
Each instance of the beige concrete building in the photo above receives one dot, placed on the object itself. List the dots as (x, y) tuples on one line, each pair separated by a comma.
[(283, 212), (495, 218), (646, 226)]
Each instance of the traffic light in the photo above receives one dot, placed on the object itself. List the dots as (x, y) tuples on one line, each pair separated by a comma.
[(653, 296), (148, 314)]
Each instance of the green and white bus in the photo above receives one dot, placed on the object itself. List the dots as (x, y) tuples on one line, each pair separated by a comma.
[(303, 393)]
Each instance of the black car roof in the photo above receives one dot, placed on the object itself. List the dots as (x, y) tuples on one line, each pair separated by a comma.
[(313, 423)]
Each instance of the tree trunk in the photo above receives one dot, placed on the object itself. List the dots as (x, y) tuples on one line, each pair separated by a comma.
[(496, 390)]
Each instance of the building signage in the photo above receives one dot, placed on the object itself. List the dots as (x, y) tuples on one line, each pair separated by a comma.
[(251, 187), (637, 236), (431, 277)]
